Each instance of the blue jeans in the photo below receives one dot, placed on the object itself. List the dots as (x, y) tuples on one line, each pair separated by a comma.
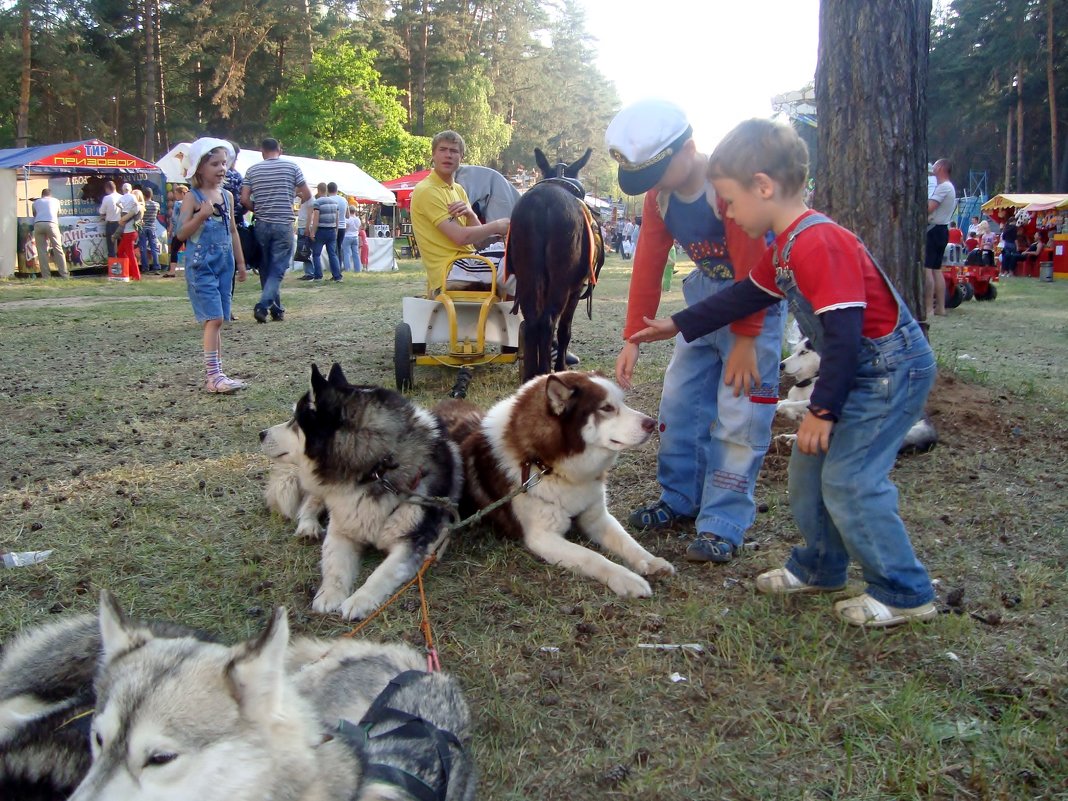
[(327, 237), (844, 501), (147, 242), (276, 246), (712, 444), (350, 249)]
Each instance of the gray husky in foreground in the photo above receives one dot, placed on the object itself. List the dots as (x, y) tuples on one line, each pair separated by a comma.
[(307, 719), (370, 455)]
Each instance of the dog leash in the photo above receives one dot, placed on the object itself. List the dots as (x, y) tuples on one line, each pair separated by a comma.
[(433, 664)]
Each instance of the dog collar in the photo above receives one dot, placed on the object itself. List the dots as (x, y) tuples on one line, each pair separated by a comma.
[(533, 461), (805, 382)]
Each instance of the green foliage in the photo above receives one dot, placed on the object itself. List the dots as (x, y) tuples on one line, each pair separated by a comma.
[(466, 108), (977, 50), (342, 111)]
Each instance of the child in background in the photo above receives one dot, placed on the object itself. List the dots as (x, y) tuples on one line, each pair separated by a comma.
[(173, 243), (875, 374), (206, 224), (365, 249)]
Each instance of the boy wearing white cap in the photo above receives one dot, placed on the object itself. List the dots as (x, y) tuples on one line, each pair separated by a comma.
[(720, 390)]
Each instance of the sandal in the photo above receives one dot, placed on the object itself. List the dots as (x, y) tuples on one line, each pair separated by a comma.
[(656, 515), (867, 612), (781, 581), (222, 385), (710, 548)]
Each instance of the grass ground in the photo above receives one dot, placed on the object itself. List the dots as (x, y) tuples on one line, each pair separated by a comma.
[(143, 484)]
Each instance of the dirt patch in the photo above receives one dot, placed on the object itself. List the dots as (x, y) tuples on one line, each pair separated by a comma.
[(78, 302)]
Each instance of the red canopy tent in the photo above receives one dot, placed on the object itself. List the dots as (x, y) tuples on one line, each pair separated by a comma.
[(402, 187)]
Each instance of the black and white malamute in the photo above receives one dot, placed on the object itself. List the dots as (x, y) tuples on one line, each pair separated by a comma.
[(369, 454)]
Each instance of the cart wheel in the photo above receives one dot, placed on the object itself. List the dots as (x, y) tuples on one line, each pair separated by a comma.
[(969, 291), (992, 293), (403, 357), (954, 300)]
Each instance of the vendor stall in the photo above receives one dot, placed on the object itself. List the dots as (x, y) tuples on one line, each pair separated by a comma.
[(1044, 219), (75, 173)]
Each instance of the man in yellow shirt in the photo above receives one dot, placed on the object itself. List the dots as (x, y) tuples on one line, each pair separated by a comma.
[(446, 227)]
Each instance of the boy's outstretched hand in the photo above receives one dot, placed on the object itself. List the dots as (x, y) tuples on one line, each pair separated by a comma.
[(657, 330)]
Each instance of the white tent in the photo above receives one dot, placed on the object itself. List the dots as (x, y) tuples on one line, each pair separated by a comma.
[(350, 179)]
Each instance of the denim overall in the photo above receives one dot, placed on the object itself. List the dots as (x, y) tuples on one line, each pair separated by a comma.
[(712, 444), (209, 265), (843, 501)]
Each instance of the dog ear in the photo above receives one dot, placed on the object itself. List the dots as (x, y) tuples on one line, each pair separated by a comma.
[(543, 163), (117, 635), (336, 377), (575, 168), (318, 383), (558, 393), (257, 668)]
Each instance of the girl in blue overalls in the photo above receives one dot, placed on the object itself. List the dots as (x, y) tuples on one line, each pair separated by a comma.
[(206, 225), (875, 373)]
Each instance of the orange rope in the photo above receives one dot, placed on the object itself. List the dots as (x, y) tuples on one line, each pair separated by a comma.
[(424, 626)]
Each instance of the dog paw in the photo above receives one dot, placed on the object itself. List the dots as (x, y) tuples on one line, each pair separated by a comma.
[(656, 567), (356, 607), (324, 603), (310, 531), (629, 585)]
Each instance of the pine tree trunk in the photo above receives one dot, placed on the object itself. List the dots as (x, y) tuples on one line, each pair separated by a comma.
[(1019, 128), (420, 84), (1051, 82), (1008, 151), (22, 124), (871, 98), (151, 91)]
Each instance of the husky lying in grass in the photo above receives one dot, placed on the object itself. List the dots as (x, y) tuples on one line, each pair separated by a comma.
[(803, 365), (366, 452)]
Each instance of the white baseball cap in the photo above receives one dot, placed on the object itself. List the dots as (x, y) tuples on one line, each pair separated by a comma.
[(642, 138)]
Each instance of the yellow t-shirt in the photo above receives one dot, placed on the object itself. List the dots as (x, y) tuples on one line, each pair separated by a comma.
[(430, 207)]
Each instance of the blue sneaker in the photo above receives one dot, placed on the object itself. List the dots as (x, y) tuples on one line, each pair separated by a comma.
[(710, 548), (655, 516)]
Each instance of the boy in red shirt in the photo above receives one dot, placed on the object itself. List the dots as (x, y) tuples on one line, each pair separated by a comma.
[(875, 374)]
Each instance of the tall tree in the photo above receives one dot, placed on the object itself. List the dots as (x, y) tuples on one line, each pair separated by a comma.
[(22, 126), (871, 101), (1051, 83)]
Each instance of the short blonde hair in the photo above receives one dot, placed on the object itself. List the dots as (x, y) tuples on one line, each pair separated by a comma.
[(448, 136), (194, 179), (759, 145)]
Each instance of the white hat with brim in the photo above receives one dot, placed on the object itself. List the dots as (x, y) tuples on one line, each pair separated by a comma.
[(642, 139), (201, 148)]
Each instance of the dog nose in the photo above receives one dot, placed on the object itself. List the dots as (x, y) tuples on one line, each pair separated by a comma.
[(263, 435), (782, 365), (648, 424)]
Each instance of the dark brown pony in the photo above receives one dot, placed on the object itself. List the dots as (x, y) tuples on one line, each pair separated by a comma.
[(554, 252)]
